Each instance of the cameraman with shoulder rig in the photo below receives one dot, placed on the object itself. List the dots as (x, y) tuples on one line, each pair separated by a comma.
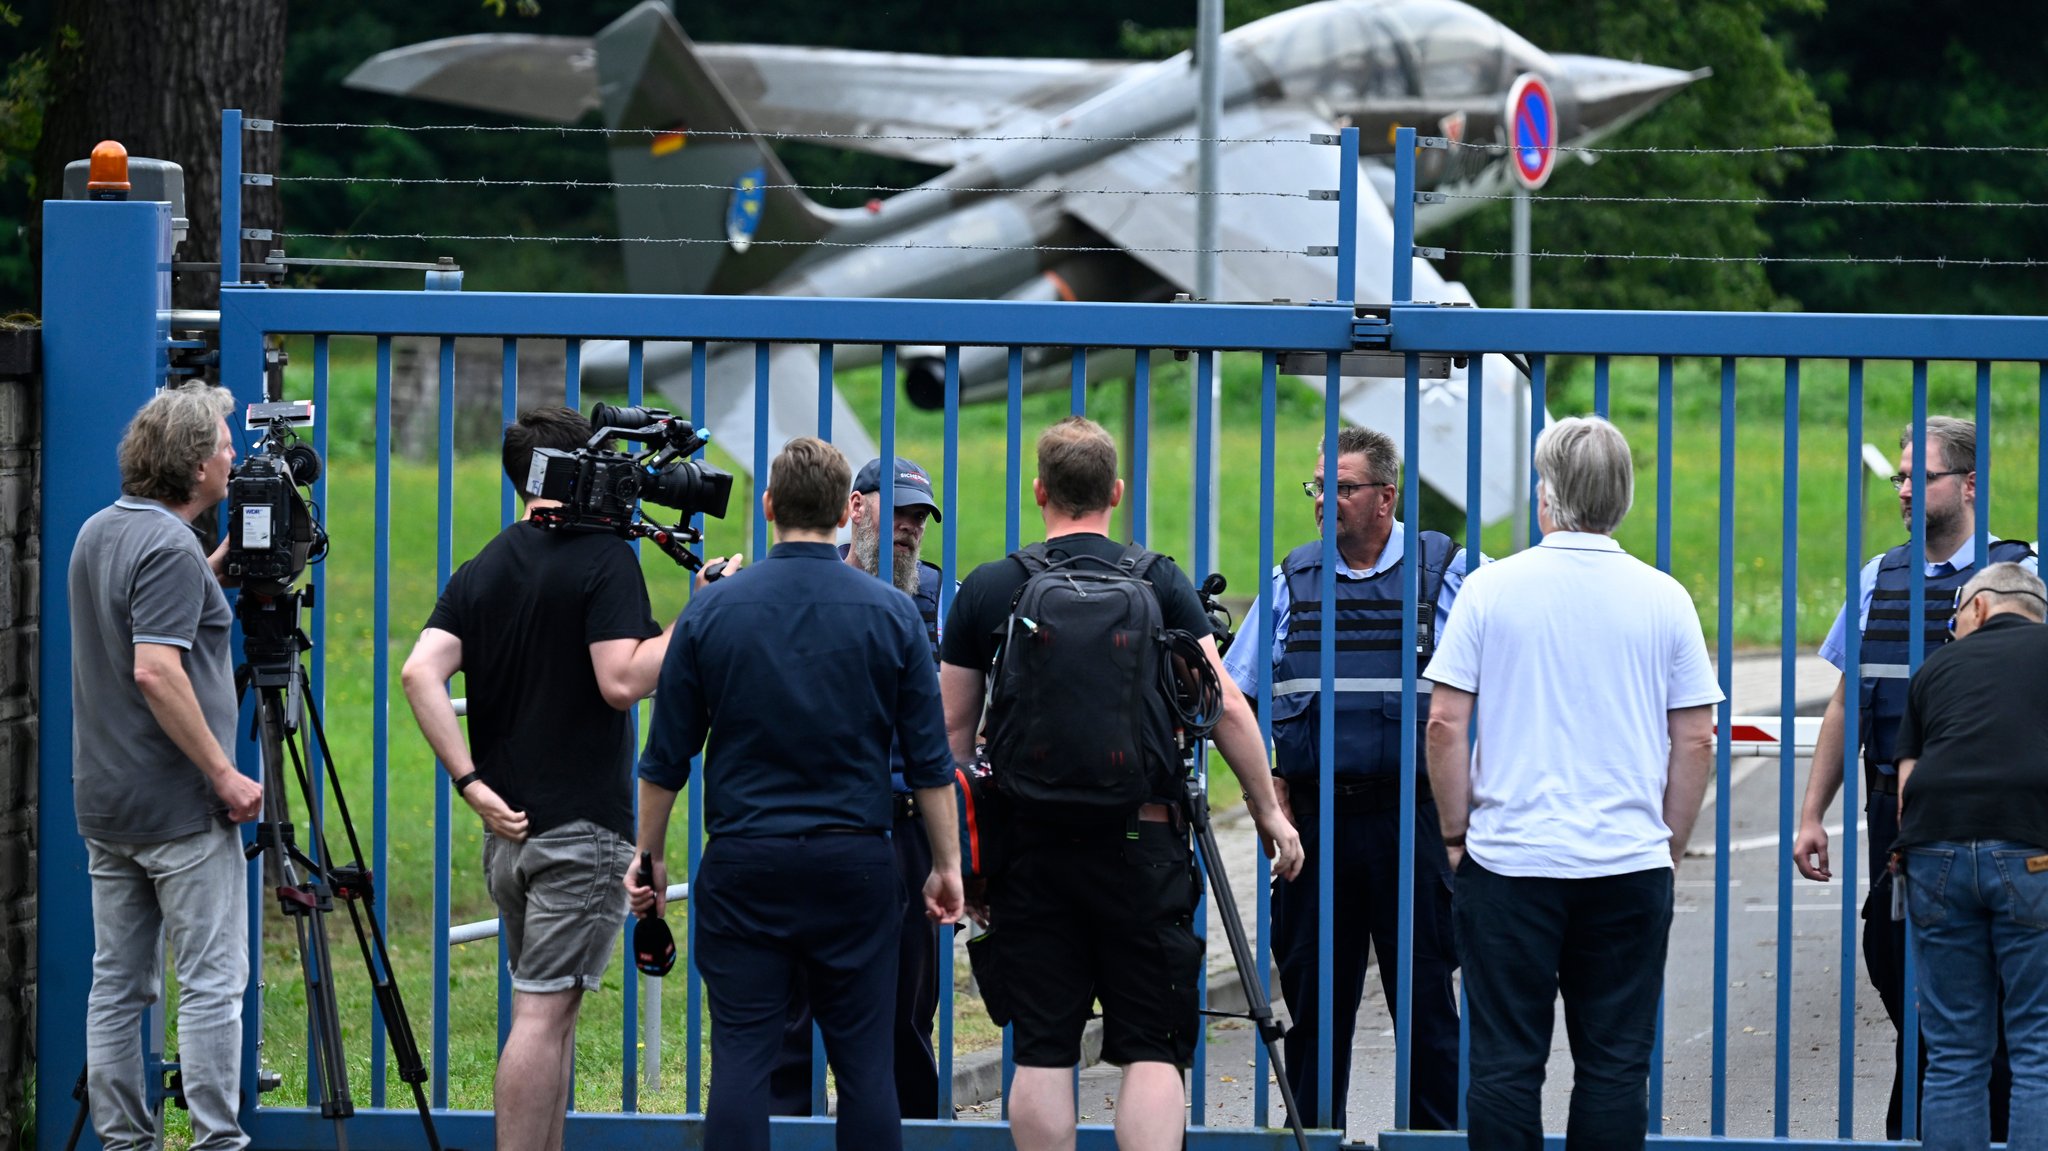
[(557, 639), (155, 786)]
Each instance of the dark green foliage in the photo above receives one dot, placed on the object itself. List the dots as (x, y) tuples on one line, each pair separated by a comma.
[(1943, 73)]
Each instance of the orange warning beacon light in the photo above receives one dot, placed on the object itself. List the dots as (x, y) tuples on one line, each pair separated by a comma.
[(107, 179)]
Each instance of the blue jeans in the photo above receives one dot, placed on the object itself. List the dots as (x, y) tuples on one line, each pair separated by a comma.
[(193, 893), (1980, 918), (1598, 942)]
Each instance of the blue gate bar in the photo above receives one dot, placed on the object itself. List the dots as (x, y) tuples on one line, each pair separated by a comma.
[(825, 379), (949, 571), (629, 981), (380, 696), (1808, 335), (1204, 549), (1326, 747), (1269, 385), (1600, 386), (1347, 214), (1916, 652), (572, 373), (1475, 490), (1983, 505), (1665, 458), (1012, 471), (1411, 610), (788, 319), (2041, 463), (1788, 708), (1404, 214), (1141, 445), (1852, 778), (1538, 400), (230, 197), (508, 410), (1077, 402), (317, 598), (1718, 1118), (885, 494), (694, 842), (762, 393), (444, 564)]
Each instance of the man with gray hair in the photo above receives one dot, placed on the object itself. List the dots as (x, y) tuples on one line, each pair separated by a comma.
[(1948, 497), (156, 788), (1586, 675), (1973, 834)]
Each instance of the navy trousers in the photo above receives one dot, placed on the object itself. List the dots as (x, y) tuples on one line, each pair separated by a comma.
[(1367, 856), (774, 909), (1601, 943), (917, 1000)]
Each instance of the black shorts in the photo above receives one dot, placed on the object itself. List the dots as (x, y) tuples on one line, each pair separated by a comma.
[(1076, 919)]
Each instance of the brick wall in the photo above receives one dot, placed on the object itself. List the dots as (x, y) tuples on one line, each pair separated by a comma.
[(20, 565)]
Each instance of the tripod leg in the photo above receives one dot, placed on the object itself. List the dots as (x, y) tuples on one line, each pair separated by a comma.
[(1258, 1004)]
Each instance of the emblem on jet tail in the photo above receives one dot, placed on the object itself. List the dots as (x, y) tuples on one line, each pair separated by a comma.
[(743, 215)]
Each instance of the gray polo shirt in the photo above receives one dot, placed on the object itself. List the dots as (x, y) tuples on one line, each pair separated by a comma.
[(138, 576)]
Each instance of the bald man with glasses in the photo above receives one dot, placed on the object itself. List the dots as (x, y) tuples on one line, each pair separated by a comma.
[(1948, 496)]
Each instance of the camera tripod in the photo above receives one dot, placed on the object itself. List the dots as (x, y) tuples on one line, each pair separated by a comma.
[(308, 886)]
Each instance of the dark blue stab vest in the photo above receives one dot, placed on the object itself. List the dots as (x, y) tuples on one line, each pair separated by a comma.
[(1368, 679), (928, 579), (1886, 655)]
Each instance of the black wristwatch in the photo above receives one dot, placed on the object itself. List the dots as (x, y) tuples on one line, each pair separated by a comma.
[(466, 780)]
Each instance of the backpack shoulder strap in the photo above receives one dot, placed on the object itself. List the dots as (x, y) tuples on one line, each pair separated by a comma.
[(1033, 558), (1137, 560)]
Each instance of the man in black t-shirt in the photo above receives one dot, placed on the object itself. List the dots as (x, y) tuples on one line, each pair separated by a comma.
[(556, 640), (1973, 832), (1078, 913)]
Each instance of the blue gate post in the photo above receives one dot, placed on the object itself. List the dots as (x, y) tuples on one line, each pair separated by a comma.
[(106, 295)]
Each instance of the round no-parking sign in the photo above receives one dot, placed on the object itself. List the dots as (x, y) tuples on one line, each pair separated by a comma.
[(1532, 126)]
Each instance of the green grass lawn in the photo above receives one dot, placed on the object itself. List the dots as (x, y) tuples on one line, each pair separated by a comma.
[(351, 638)]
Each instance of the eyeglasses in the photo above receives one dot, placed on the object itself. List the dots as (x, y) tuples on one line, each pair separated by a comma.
[(1962, 600), (1315, 489), (1899, 478)]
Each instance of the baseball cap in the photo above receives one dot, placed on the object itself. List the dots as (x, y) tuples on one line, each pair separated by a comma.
[(913, 486)]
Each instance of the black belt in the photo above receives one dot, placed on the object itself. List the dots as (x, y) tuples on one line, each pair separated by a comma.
[(1356, 793)]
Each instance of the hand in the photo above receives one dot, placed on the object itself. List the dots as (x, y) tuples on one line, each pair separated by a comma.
[(944, 899), (1280, 797), (651, 900), (1457, 856), (218, 561), (498, 816), (1810, 851), (244, 796), (724, 568), (977, 902), (1280, 841)]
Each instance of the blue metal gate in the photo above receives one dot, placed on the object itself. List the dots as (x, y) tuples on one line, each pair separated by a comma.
[(105, 348)]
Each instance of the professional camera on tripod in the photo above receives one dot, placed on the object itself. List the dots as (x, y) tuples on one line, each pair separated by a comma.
[(274, 532), (601, 490)]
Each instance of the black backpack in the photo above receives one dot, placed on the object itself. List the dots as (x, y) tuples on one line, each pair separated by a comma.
[(1078, 725)]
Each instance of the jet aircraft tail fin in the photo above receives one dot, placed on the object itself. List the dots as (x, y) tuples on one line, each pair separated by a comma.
[(722, 201)]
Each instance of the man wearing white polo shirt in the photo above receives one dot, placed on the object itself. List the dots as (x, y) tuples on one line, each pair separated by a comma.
[(1587, 677)]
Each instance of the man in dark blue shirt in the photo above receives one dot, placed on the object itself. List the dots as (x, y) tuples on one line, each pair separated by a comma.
[(808, 672)]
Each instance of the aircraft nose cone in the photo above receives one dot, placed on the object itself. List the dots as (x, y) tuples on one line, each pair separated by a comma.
[(1613, 93)]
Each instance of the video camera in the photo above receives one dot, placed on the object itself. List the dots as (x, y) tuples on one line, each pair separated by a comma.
[(600, 489), (273, 532)]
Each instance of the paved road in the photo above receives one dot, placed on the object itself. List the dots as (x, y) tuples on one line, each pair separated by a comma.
[(1751, 1041)]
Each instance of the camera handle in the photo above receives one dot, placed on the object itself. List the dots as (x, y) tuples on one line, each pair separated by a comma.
[(1258, 1005), (674, 541)]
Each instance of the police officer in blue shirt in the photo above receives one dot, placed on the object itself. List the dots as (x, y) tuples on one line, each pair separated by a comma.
[(1367, 799), (805, 674), (917, 970), (1884, 664)]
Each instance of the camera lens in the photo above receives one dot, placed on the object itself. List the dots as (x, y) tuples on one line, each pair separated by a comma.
[(613, 416), (691, 487)]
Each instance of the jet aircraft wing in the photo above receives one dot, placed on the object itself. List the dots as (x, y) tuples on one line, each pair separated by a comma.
[(1264, 239)]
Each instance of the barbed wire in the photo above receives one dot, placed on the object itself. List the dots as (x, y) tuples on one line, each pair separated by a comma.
[(1936, 261), (1762, 201), (2022, 149), (682, 240), (734, 134), (486, 182)]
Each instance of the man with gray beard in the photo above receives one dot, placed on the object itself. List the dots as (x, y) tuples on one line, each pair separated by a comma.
[(917, 972)]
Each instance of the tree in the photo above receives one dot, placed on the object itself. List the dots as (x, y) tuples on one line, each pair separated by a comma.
[(154, 74)]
